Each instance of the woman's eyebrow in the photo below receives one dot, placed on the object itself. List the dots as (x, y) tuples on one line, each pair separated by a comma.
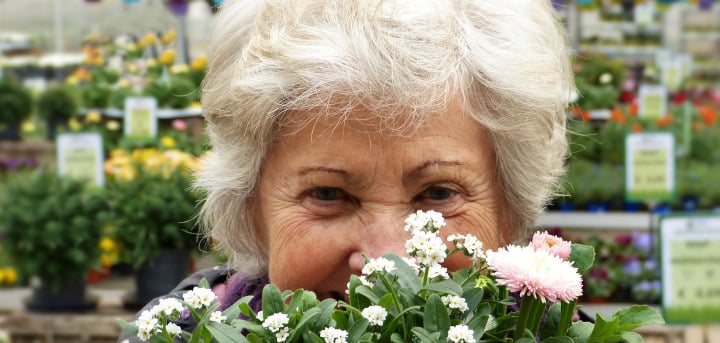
[(347, 178), (422, 169)]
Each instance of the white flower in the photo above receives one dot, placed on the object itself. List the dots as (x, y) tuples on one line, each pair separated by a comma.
[(437, 270), (276, 321), (375, 314), (455, 302), (173, 329), (333, 335), (217, 317), (419, 221), (192, 299), (199, 297), (376, 265), (144, 335), (470, 245), (146, 321), (426, 247), (412, 264), (259, 316), (537, 273), (460, 333), (170, 306), (282, 335)]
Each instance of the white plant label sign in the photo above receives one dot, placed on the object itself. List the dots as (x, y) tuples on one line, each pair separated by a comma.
[(80, 155), (650, 166), (140, 117), (690, 250), (652, 102)]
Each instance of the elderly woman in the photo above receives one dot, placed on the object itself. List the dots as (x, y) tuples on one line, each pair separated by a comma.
[(332, 120)]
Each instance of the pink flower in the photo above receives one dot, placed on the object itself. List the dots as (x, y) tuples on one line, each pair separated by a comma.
[(535, 272), (553, 244), (179, 124)]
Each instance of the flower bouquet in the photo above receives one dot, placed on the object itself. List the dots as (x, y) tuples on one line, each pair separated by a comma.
[(512, 294)]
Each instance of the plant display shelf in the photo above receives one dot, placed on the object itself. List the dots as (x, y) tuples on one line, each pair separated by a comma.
[(619, 221)]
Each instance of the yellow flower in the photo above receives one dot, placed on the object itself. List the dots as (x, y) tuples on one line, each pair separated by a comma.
[(71, 80), (168, 37), (112, 125), (199, 63), (123, 83), (131, 47), (74, 124), (167, 57), (195, 104), (107, 244), (151, 63), (93, 117), (167, 142), (8, 276), (179, 69), (108, 259), (132, 69), (149, 39), (28, 127)]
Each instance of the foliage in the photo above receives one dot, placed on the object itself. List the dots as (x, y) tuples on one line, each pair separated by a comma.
[(395, 302), (177, 92), (583, 140), (15, 102), (592, 182), (153, 206), (58, 101), (52, 227), (598, 79)]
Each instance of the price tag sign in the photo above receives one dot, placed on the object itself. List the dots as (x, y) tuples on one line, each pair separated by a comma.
[(141, 117), (690, 268), (652, 102), (673, 73), (644, 13), (649, 166), (80, 155)]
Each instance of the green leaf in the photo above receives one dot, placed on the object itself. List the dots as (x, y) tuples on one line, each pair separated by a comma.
[(552, 319), (604, 328), (357, 329), (296, 302), (368, 294), (326, 307), (582, 256), (299, 328), (424, 336), (436, 317), (204, 283), (563, 339), (525, 340), (631, 337), (473, 297), (580, 331), (444, 287), (233, 311), (635, 316), (128, 327), (406, 276), (223, 333), (272, 301)]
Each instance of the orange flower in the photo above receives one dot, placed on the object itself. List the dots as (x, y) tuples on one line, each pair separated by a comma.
[(637, 128), (664, 121), (586, 116), (576, 111), (633, 109), (708, 114), (617, 116)]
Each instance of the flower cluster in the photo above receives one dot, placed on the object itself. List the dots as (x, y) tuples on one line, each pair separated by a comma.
[(416, 299)]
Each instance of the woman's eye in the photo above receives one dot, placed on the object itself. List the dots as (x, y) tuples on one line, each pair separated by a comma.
[(327, 194), (436, 194)]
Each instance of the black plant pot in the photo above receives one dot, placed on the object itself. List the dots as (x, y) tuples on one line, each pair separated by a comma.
[(70, 297), (159, 276), (53, 125)]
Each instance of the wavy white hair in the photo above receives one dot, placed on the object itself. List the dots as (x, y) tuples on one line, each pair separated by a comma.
[(506, 61)]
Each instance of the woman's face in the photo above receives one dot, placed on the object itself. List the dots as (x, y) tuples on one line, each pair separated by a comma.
[(329, 193)]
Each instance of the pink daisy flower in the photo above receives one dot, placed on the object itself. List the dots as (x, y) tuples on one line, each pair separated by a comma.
[(554, 244), (536, 273)]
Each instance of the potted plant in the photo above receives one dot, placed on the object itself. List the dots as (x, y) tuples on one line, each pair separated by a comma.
[(15, 106), (154, 213), (57, 105), (52, 227)]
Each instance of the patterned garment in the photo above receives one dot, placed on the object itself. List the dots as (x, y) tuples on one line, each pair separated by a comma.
[(236, 287)]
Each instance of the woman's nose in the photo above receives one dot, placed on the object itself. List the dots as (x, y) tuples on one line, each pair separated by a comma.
[(382, 234)]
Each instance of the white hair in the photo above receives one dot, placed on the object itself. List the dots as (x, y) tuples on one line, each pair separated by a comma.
[(506, 61)]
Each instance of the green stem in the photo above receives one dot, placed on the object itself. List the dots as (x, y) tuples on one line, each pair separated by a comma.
[(425, 276), (536, 316), (567, 309), (396, 301), (526, 310)]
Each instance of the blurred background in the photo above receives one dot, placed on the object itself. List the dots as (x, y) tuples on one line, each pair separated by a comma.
[(101, 128)]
